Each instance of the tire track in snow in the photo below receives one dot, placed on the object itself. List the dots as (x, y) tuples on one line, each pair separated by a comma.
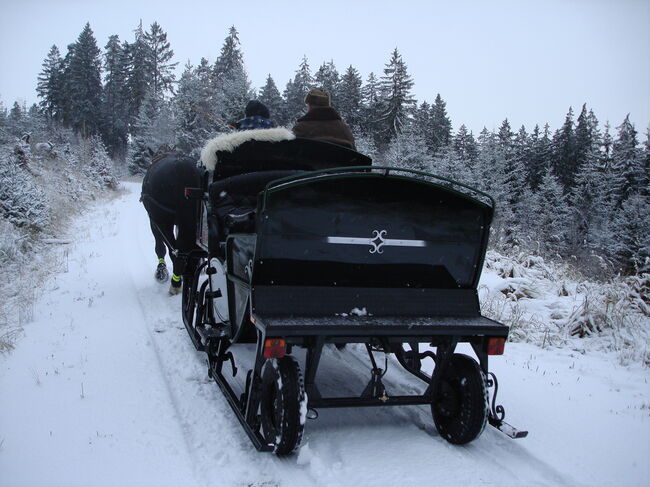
[(209, 425)]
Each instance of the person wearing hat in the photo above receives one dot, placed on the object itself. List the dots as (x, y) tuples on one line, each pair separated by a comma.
[(322, 121), (257, 117)]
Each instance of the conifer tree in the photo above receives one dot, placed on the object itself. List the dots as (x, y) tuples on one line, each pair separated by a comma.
[(139, 74), (350, 99), (160, 55), (195, 106), (84, 85), (408, 150), (584, 144), (231, 81), (440, 125), (50, 85), (327, 78), (296, 90), (465, 146), (627, 163), (371, 107), (631, 237), (270, 96), (549, 218), (590, 208), (115, 99), (422, 122), (564, 152), (397, 101), (538, 157), (155, 127)]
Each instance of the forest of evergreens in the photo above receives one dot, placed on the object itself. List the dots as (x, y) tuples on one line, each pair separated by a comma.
[(578, 192)]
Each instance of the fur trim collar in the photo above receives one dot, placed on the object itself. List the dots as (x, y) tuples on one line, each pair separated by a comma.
[(229, 142), (320, 114)]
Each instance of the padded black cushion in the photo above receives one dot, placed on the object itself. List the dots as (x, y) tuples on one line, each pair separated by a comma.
[(298, 154), (234, 200)]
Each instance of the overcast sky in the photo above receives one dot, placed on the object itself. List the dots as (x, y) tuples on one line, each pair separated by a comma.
[(524, 60)]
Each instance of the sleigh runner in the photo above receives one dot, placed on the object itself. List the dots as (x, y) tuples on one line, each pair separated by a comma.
[(320, 247)]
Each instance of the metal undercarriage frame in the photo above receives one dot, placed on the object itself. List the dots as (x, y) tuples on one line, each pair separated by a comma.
[(209, 335)]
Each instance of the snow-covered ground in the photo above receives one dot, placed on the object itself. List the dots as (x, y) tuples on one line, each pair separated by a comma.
[(104, 388)]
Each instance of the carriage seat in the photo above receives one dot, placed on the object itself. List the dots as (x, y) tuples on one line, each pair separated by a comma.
[(233, 202)]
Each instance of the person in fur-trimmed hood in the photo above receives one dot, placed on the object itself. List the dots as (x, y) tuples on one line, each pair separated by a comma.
[(322, 121)]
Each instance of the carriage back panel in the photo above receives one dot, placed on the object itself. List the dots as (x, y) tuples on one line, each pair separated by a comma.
[(376, 236)]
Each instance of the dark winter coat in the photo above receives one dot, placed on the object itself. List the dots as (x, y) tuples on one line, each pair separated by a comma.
[(324, 123)]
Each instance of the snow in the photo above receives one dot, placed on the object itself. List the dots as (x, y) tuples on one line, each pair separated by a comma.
[(105, 388)]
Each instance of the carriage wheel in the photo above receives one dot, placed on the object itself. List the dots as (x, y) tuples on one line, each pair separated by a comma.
[(283, 402), (460, 409)]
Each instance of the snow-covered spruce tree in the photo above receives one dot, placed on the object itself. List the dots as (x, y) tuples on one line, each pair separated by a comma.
[(584, 137), (4, 129), (115, 98), (464, 144), (371, 108), (17, 121), (516, 174), (139, 73), (195, 109), (549, 216), (564, 153), (22, 202), (627, 163), (539, 156), (296, 90), (422, 122), (491, 178), (440, 125), (366, 145), (270, 96), (631, 235), (155, 127), (233, 89), (96, 164), (408, 150), (83, 84), (448, 163), (327, 78), (349, 99), (160, 66), (591, 210), (397, 101), (645, 179), (50, 85)]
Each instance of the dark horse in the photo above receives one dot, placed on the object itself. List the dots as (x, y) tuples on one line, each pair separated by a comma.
[(164, 199)]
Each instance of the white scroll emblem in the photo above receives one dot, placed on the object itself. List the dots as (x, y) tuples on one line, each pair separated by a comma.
[(377, 241)]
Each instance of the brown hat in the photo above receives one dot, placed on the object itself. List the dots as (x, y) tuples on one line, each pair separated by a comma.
[(318, 97)]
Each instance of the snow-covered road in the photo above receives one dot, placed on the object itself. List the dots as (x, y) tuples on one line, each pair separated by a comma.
[(105, 389)]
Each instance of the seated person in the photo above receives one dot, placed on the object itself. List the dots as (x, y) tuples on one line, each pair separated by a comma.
[(322, 121), (257, 117)]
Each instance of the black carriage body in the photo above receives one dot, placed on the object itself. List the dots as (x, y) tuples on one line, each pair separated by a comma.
[(363, 253), (321, 247)]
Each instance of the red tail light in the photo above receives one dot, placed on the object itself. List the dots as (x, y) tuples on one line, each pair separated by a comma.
[(496, 345), (275, 348)]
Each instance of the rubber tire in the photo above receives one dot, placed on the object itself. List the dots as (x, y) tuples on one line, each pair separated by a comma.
[(461, 409), (282, 398)]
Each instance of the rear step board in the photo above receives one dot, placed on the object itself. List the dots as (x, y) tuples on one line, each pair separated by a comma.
[(208, 333), (381, 325), (507, 429)]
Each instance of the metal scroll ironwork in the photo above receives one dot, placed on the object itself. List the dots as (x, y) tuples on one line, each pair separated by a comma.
[(496, 411)]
